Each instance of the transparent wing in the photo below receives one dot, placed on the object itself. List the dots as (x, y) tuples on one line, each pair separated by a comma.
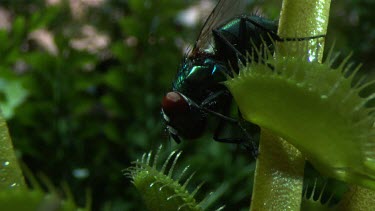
[(223, 11)]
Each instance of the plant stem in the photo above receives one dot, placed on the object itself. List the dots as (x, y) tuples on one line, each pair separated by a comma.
[(303, 19), (11, 175), (306, 19), (358, 198), (278, 175), (279, 172)]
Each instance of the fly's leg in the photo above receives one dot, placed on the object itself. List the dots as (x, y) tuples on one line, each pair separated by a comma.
[(248, 141), (220, 38), (210, 99), (252, 133), (276, 37), (246, 128), (231, 52), (176, 138)]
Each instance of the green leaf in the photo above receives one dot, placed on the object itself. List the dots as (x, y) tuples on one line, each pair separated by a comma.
[(316, 109)]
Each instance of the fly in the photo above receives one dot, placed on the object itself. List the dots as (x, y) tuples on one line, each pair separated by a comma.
[(225, 39)]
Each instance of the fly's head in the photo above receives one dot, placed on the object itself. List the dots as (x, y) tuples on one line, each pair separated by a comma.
[(183, 118)]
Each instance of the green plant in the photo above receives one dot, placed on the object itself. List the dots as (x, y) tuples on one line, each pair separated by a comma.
[(160, 191), (75, 110), (82, 116), (14, 195), (318, 109)]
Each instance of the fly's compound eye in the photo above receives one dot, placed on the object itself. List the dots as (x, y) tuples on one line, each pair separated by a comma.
[(182, 119), (173, 104)]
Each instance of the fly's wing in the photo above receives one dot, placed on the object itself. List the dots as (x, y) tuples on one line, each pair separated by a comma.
[(223, 12)]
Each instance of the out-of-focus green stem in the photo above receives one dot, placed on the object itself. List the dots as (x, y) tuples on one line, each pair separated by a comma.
[(303, 19), (278, 175), (358, 198), (10, 173)]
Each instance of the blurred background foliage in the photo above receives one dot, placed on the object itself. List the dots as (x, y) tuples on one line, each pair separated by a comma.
[(81, 83)]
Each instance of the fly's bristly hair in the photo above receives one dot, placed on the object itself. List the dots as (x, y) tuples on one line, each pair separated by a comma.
[(257, 12)]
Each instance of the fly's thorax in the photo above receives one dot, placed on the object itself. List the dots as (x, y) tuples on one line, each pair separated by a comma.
[(199, 77), (266, 24)]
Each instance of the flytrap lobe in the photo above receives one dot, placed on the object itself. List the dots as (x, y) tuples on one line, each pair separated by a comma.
[(315, 199), (159, 189), (319, 109)]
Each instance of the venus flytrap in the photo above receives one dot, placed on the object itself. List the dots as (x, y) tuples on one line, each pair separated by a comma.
[(279, 174), (358, 199), (11, 176), (159, 189), (307, 110), (316, 108), (14, 195), (37, 198), (313, 201)]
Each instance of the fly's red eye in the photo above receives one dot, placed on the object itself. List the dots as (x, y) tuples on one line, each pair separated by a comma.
[(174, 103), (182, 119)]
